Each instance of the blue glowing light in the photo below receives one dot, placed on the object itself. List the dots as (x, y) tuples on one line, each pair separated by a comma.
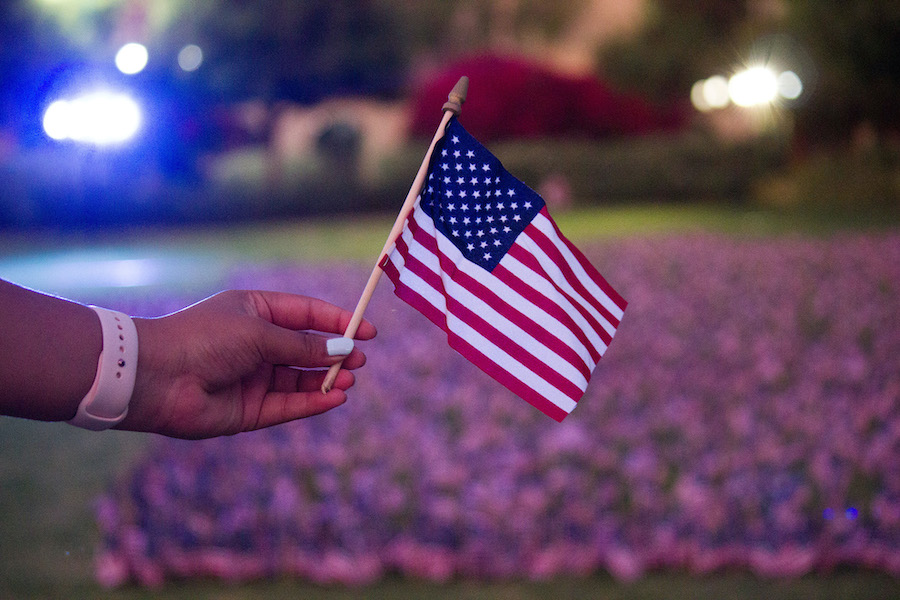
[(100, 118), (850, 513)]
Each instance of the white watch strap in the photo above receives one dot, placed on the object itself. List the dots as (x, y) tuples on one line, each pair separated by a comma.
[(106, 404)]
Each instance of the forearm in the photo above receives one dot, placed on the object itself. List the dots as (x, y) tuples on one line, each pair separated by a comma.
[(48, 353)]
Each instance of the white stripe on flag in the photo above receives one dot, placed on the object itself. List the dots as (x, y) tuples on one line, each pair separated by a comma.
[(513, 367), (499, 321), (559, 278), (543, 224), (515, 300), (546, 289)]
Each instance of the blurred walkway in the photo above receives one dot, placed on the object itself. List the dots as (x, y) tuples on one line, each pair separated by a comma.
[(87, 272)]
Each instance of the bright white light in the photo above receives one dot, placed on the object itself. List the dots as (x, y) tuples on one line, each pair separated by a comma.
[(190, 58), (697, 97), (100, 118), (56, 120), (789, 85), (753, 87), (715, 91), (132, 58)]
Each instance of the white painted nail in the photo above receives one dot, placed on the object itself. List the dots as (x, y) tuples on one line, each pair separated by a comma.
[(339, 346)]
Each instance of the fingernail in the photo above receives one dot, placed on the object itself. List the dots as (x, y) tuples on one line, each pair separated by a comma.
[(340, 346)]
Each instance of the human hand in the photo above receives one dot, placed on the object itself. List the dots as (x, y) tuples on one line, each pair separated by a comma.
[(238, 361)]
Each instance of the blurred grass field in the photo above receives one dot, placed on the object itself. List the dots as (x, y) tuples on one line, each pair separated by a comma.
[(362, 237), (49, 474)]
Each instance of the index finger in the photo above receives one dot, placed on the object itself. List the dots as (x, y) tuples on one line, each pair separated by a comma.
[(296, 312)]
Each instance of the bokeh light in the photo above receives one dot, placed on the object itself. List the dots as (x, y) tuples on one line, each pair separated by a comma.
[(99, 118), (56, 120), (710, 94), (132, 58), (715, 91), (754, 86), (190, 57), (789, 85), (698, 99)]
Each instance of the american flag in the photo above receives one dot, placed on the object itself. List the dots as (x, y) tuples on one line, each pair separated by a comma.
[(482, 259)]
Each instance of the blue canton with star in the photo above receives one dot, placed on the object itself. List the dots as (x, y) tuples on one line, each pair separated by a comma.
[(473, 200)]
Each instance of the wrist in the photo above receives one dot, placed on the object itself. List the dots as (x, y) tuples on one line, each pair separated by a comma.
[(143, 411), (106, 403)]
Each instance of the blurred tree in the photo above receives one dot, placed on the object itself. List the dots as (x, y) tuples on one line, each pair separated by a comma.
[(851, 67), (266, 49), (299, 51), (854, 45), (93, 24), (681, 42), (302, 51), (453, 29)]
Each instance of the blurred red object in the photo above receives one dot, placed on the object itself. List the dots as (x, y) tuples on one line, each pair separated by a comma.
[(513, 97)]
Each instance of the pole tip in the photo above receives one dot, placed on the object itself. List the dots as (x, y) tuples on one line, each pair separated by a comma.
[(457, 96)]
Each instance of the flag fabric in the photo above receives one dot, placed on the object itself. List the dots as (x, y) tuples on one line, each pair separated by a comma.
[(481, 257)]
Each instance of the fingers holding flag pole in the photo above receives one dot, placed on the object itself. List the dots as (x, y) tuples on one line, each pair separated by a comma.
[(452, 107)]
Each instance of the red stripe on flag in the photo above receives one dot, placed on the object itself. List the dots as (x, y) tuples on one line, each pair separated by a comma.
[(455, 307), (529, 260), (511, 348), (416, 266), (500, 374), (412, 297), (483, 292), (553, 252), (592, 271), (429, 243), (547, 305), (466, 349), (524, 322)]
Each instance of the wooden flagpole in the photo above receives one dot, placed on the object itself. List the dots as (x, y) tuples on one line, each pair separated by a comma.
[(452, 107)]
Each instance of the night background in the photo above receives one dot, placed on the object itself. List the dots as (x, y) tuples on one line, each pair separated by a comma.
[(731, 167)]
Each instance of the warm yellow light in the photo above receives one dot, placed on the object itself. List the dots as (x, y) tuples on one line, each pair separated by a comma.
[(753, 87), (715, 91), (697, 97)]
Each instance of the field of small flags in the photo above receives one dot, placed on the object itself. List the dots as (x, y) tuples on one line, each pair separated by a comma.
[(746, 417), (744, 421)]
